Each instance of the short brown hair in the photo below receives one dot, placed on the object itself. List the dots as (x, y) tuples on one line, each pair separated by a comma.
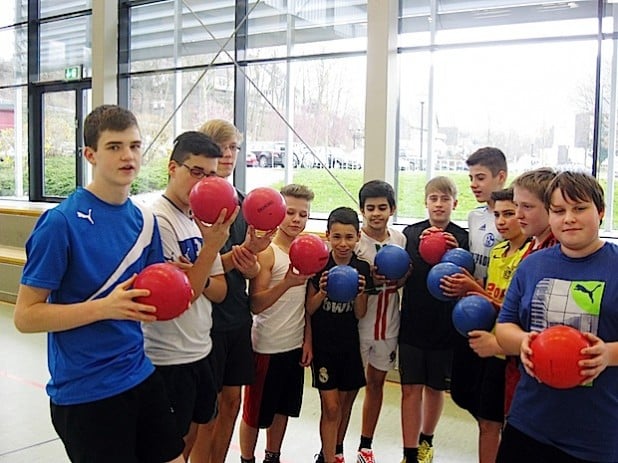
[(576, 186), (490, 157), (502, 195), (106, 117), (535, 181), (298, 191), (443, 185)]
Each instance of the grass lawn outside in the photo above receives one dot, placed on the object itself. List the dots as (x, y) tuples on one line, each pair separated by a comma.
[(410, 194)]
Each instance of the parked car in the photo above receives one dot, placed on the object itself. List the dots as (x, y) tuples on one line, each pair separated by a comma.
[(274, 156), (268, 158), (252, 160), (338, 158), (407, 161)]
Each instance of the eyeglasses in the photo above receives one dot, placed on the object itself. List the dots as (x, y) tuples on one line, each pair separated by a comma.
[(198, 172), (232, 148)]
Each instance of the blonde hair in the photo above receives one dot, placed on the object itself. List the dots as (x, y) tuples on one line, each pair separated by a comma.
[(221, 131), (441, 184), (298, 191), (535, 181)]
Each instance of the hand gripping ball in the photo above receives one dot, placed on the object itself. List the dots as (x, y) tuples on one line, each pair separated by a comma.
[(264, 208), (308, 254), (342, 283), (434, 276), (555, 354), (209, 196), (170, 290), (432, 247), (392, 261), (460, 257), (473, 313)]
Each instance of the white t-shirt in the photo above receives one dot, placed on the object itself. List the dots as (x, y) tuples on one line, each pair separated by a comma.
[(483, 236), (184, 339), (382, 318), (280, 327)]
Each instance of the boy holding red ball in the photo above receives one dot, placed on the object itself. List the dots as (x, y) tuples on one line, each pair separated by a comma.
[(83, 257), (280, 335), (570, 284)]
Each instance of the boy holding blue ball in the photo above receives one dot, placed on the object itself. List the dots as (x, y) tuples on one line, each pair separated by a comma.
[(379, 328), (426, 334), (337, 366), (486, 377)]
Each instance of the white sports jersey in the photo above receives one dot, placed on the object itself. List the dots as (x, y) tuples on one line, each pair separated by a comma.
[(382, 318), (483, 236), (184, 339), (280, 327)]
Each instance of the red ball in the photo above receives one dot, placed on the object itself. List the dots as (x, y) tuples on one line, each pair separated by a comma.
[(264, 208), (209, 196), (555, 354), (170, 290), (308, 254), (433, 247)]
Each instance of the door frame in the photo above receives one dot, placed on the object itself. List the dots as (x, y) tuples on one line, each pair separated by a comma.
[(35, 134)]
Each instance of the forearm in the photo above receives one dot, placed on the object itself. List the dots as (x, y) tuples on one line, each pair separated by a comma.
[(252, 272), (510, 337), (314, 301), (262, 300), (200, 272), (227, 261), (360, 306), (45, 317), (217, 289), (307, 332), (612, 349)]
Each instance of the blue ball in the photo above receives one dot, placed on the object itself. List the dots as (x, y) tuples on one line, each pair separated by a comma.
[(392, 261), (342, 283), (473, 313), (434, 276), (460, 257)]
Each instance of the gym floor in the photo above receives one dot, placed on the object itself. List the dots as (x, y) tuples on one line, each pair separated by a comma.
[(26, 433)]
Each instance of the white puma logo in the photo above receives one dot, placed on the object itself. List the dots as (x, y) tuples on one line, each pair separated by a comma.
[(88, 217)]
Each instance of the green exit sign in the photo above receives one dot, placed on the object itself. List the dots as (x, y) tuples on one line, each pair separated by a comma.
[(73, 73)]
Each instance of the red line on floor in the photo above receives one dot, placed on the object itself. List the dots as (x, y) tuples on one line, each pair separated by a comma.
[(19, 379)]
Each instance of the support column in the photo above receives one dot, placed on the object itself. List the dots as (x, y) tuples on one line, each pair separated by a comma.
[(382, 90), (104, 52)]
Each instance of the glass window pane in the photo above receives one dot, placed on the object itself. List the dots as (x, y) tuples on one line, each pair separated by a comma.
[(305, 28), (14, 55), (55, 8), (480, 21), (65, 43), (154, 100), (172, 34), (12, 15), (13, 143), (526, 99), (59, 178), (327, 113), (607, 162)]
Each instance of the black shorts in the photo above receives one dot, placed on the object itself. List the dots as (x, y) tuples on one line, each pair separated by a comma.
[(232, 357), (477, 384), (515, 447), (277, 389), (337, 370), (425, 366), (192, 391), (464, 376), (134, 426)]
